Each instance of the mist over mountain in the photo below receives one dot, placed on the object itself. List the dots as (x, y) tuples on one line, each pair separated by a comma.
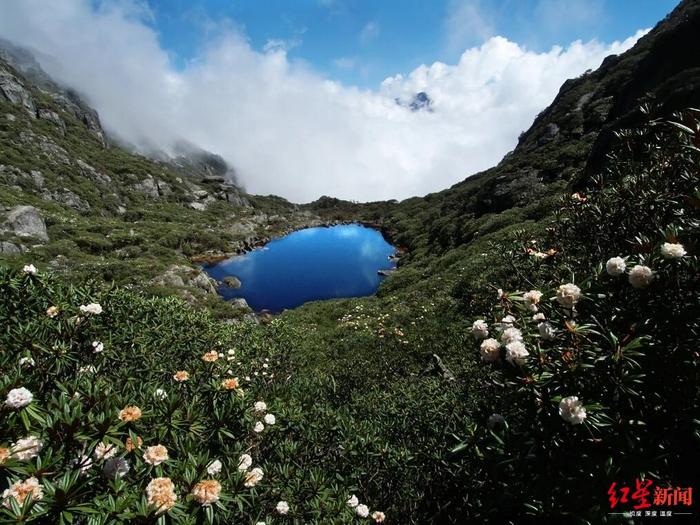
[(517, 347), (286, 128)]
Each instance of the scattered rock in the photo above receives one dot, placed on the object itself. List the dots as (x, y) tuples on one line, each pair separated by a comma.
[(239, 302), (53, 117), (148, 186), (437, 366), (67, 197), (14, 91), (10, 248), (92, 173), (199, 206), (232, 282), (180, 276), (25, 221)]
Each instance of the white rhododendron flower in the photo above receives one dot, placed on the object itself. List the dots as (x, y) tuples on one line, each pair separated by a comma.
[(672, 251), (207, 492), (115, 468), (500, 294), (52, 311), (253, 477), (532, 299), (87, 369), (270, 419), (508, 320), (282, 507), (92, 308), (378, 516), (18, 398), (546, 330), (29, 269), (104, 451), (26, 361), (161, 494), (21, 490), (510, 335), (155, 455), (572, 410), (353, 501), (260, 406), (490, 350), (516, 353), (82, 463), (214, 467), (26, 448), (616, 266), (244, 462), (259, 427), (641, 276), (480, 329), (568, 295), (539, 317), (97, 347), (362, 510), (160, 394)]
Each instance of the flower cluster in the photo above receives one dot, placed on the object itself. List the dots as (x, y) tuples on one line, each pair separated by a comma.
[(362, 510)]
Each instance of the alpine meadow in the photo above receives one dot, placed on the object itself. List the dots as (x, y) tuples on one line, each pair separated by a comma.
[(530, 354)]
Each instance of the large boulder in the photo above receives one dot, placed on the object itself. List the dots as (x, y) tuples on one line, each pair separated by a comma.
[(149, 187), (232, 282), (26, 221), (9, 248), (179, 276)]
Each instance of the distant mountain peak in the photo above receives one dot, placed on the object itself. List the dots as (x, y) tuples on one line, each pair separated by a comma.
[(421, 101)]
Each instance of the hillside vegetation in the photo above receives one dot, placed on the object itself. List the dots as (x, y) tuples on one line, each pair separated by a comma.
[(537, 344)]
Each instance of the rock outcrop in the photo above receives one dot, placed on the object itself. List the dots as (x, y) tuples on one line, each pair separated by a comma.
[(26, 221), (182, 276)]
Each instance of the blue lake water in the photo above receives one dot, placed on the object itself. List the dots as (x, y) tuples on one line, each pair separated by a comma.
[(308, 265)]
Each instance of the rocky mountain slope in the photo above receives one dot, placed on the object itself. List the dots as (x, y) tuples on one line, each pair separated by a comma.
[(566, 144), (529, 335), (76, 198)]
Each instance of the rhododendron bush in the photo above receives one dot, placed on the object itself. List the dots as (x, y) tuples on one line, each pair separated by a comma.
[(594, 371), (121, 409), (512, 378)]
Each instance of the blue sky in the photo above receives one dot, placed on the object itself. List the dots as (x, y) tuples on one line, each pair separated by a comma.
[(249, 79), (360, 42)]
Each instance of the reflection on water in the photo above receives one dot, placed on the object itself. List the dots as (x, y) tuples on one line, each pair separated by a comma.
[(308, 265)]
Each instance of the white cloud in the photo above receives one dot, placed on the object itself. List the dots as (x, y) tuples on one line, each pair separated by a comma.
[(287, 129)]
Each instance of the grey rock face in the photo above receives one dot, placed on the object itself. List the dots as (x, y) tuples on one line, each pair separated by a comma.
[(69, 198), (55, 153), (239, 302), (179, 275), (149, 187), (9, 248), (72, 103), (25, 221), (14, 91), (37, 178), (91, 173), (232, 282), (52, 116)]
